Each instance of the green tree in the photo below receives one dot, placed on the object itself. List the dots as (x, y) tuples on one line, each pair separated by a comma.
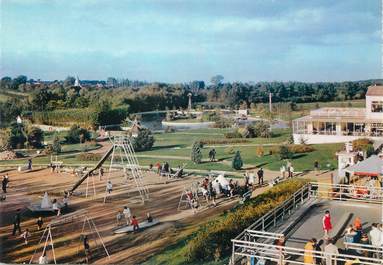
[(76, 134), (144, 140), (5, 139), (284, 152), (262, 129), (56, 145), (196, 153), (35, 137), (237, 161)]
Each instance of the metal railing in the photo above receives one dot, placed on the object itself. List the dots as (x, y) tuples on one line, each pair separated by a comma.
[(280, 213), (256, 242), (290, 255)]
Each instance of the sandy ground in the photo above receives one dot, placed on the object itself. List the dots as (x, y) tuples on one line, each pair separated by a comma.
[(28, 187)]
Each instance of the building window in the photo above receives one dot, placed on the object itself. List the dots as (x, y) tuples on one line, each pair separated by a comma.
[(377, 106)]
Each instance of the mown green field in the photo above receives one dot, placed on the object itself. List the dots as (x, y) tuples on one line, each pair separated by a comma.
[(175, 148)]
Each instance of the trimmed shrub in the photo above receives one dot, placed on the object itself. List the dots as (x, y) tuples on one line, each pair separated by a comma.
[(77, 135), (224, 141), (233, 134), (144, 140), (284, 152), (89, 157), (196, 154), (237, 161), (260, 151), (300, 148), (361, 144)]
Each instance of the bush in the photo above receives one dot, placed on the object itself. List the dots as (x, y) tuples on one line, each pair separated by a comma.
[(214, 238), (77, 135), (56, 145), (35, 137), (233, 134), (248, 132), (260, 151), (196, 154), (284, 152), (144, 140), (262, 129), (223, 123), (89, 157), (361, 144), (370, 150), (229, 150), (5, 140), (300, 148), (237, 161), (224, 141)]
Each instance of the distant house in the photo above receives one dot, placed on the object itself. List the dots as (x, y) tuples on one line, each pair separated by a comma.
[(334, 125)]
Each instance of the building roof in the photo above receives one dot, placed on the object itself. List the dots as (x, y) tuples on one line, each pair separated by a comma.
[(375, 90), (372, 166)]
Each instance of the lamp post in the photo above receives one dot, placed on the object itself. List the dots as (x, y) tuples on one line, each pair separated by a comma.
[(190, 103)]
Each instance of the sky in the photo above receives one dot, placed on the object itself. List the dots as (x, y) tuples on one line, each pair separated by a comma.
[(179, 41)]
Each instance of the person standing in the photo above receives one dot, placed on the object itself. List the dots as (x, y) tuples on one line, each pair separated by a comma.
[(317, 247), (39, 223), (134, 223), (25, 236), (86, 248), (30, 164), (16, 223), (109, 186), (127, 214), (308, 257), (316, 167), (4, 184), (119, 217), (331, 251), (326, 224), (260, 177), (376, 237), (100, 173)]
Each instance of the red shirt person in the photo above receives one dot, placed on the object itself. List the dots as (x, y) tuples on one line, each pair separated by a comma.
[(326, 223), (134, 223)]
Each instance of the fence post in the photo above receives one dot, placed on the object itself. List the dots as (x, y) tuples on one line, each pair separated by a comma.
[(263, 224)]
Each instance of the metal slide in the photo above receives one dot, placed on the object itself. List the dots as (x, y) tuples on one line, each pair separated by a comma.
[(99, 164)]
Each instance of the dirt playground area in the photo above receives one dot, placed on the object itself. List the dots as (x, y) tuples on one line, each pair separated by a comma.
[(28, 187)]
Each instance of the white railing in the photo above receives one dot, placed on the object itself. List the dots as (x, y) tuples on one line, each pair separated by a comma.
[(278, 214), (290, 255), (247, 244)]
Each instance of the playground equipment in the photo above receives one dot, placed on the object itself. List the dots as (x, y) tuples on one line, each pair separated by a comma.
[(127, 161), (176, 175), (45, 205), (143, 225), (47, 237), (188, 194)]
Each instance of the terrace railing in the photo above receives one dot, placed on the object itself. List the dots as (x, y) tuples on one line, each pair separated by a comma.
[(256, 242)]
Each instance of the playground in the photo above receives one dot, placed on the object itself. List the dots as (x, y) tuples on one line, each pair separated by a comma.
[(87, 201)]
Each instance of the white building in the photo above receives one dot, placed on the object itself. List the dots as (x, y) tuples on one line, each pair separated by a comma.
[(335, 125)]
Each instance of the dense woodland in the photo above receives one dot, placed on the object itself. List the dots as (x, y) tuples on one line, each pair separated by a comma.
[(99, 102)]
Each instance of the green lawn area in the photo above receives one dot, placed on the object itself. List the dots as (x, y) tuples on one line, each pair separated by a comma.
[(176, 148)]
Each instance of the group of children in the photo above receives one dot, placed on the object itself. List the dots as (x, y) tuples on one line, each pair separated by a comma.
[(130, 219)]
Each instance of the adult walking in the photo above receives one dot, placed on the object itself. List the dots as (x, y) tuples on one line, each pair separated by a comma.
[(4, 184), (16, 223), (260, 177)]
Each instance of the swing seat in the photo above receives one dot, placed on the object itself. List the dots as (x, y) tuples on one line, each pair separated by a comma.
[(142, 225)]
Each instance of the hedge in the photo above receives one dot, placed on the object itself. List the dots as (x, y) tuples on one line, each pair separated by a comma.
[(213, 240), (224, 141)]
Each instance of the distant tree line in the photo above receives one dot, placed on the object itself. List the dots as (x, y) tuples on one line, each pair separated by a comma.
[(23, 95)]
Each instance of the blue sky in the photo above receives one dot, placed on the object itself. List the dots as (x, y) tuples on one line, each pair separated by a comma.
[(179, 41)]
